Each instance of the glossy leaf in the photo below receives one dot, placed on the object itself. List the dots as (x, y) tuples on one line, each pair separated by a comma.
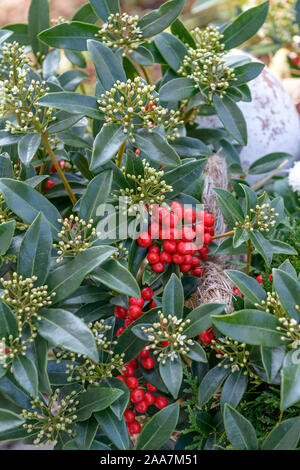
[(115, 430), (25, 374), (177, 89), (38, 20), (211, 383), (171, 373), (9, 420), (234, 388), (288, 289), (115, 276), (231, 118), (107, 144), (239, 430), (268, 163), (95, 399), (108, 67), (7, 230), (200, 318), (158, 20), (72, 35), (104, 8), (96, 193), (285, 436), (156, 148), (28, 146), (247, 285), (72, 103), (173, 298), (290, 380)]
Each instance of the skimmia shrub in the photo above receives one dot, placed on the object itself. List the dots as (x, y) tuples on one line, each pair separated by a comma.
[(103, 239)]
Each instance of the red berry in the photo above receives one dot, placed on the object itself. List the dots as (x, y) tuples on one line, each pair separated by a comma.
[(189, 215), (207, 336), (184, 268), (154, 230), (137, 395), (120, 377), (152, 304), (158, 267), (209, 230), (134, 312), (165, 257), (209, 219), (270, 277), (49, 184), (165, 344), (161, 402), (199, 230), (147, 293), (129, 416), (237, 291), (134, 428), (177, 258), (200, 216), (195, 262), (120, 331), (144, 353), (259, 279), (141, 406), (128, 322), (132, 383), (203, 252), (120, 312), (188, 234), (173, 234), (133, 363), (188, 259), (170, 246), (129, 371), (153, 258), (177, 209), (182, 248), (198, 272), (154, 249), (151, 387), (144, 240), (137, 151), (139, 301), (148, 363), (207, 239), (149, 398)]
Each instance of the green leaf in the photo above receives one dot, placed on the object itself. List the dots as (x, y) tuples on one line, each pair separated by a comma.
[(200, 318), (6, 138), (262, 246), (282, 248), (107, 65), (20, 33), (159, 428), (245, 26), (251, 327), (290, 380), (247, 72), (86, 14), (95, 399), (73, 35), (156, 148), (51, 63), (231, 117), (288, 290), (211, 383), (70, 79), (64, 329), (181, 32), (239, 430), (38, 20), (115, 429), (173, 297), (7, 231), (40, 347), (107, 144), (142, 56), (63, 121), (229, 206), (104, 8), (26, 202), (190, 147), (6, 170), (67, 278), (96, 193), (85, 434), (251, 199), (180, 177), (283, 437), (25, 374), (247, 285), (115, 276), (268, 163), (177, 89), (71, 102), (8, 322), (171, 373), (118, 406), (4, 34), (234, 388), (28, 146), (35, 250), (272, 359), (196, 353), (158, 20), (173, 51), (9, 420), (288, 268)]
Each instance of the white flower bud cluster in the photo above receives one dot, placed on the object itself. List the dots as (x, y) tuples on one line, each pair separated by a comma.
[(14, 347), (294, 178), (19, 97), (206, 64), (132, 105), (233, 355), (52, 418), (290, 329), (24, 298), (148, 188), (264, 218), (59, 20), (121, 30), (272, 304), (75, 236), (121, 252), (169, 329), (82, 369)]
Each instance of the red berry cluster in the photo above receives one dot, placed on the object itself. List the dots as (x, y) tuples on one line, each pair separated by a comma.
[(207, 336), (178, 245), (259, 278), (136, 304)]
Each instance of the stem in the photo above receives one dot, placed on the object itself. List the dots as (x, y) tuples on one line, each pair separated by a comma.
[(47, 146), (270, 175), (188, 115), (120, 154), (147, 78), (223, 235), (249, 257), (41, 172)]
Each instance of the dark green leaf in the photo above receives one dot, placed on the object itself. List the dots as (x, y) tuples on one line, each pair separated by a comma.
[(8, 322), (158, 20), (234, 388), (107, 144), (115, 430), (247, 285), (97, 193), (262, 246), (9, 420), (25, 374), (107, 65), (156, 148), (28, 146), (247, 72), (115, 276), (73, 35), (290, 380), (211, 383), (173, 298), (85, 434), (231, 117), (239, 430), (288, 290), (95, 399), (38, 20), (229, 206), (173, 51), (7, 231), (283, 437), (268, 163), (200, 318), (272, 359), (72, 103), (177, 89), (171, 373), (104, 8), (159, 429)]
